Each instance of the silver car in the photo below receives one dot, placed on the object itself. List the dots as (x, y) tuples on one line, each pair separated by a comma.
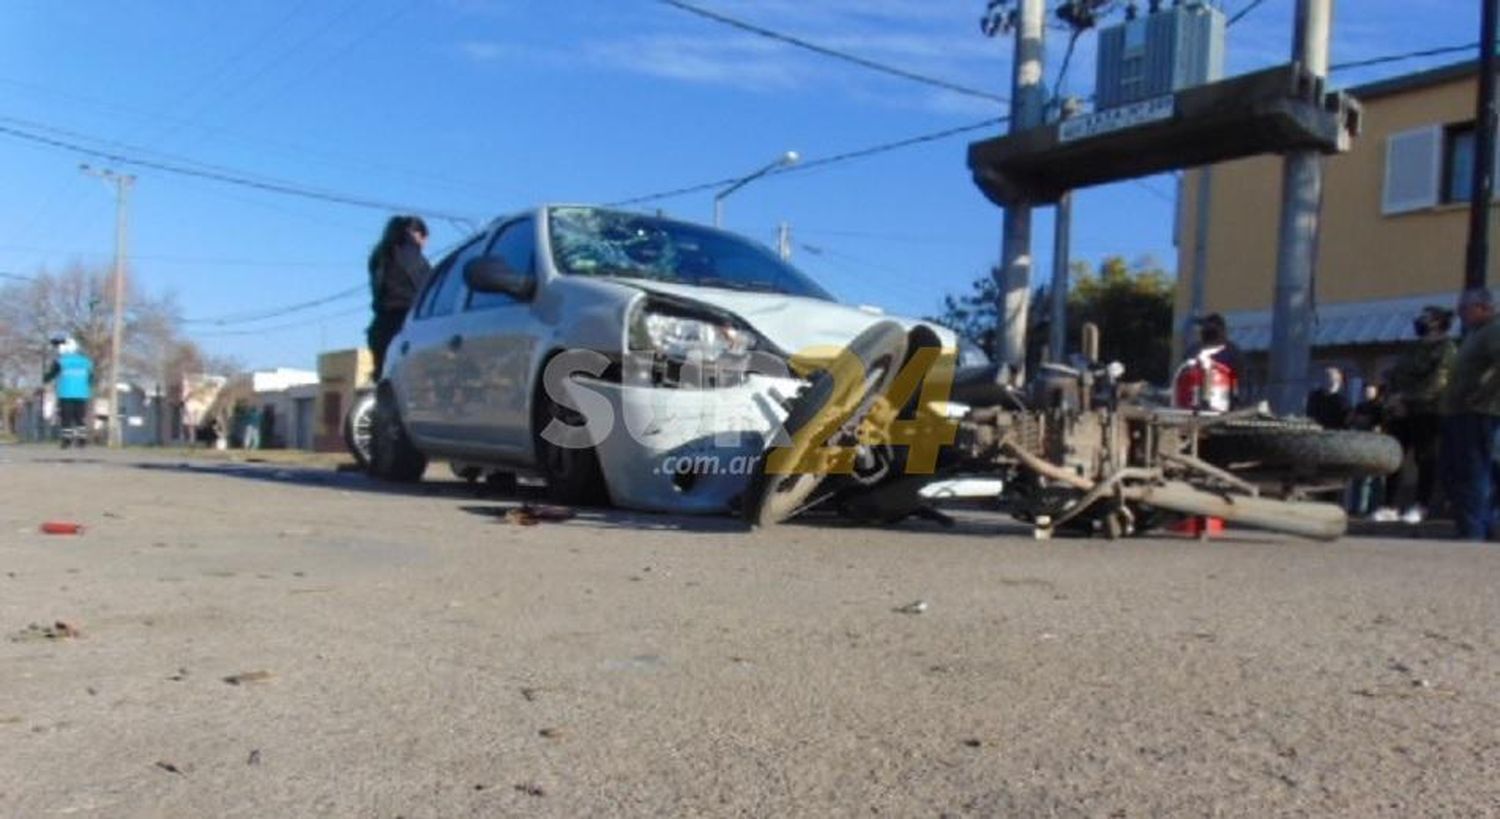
[(626, 358)]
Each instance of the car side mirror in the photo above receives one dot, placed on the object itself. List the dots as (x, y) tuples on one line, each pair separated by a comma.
[(491, 274)]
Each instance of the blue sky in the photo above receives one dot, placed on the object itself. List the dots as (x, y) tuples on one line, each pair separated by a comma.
[(481, 107)]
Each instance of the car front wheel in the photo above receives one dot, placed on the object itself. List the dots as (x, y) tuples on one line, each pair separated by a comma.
[(572, 473), (392, 456)]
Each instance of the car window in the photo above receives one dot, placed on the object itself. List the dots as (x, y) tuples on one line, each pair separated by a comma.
[(516, 244), (450, 291), (598, 242), (424, 300)]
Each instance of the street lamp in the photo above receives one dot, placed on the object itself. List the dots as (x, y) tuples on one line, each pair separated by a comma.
[(785, 160), (122, 183)]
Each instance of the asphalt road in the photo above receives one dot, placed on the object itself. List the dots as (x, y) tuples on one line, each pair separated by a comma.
[(414, 654)]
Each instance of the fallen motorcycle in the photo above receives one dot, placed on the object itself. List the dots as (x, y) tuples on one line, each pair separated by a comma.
[(1077, 448)]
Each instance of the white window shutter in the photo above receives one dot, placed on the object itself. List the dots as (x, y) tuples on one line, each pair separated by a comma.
[(1413, 170)]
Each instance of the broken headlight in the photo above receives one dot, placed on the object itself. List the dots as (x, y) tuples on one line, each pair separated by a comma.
[(675, 346)]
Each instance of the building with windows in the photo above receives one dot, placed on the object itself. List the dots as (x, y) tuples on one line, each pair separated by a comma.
[(1393, 234)]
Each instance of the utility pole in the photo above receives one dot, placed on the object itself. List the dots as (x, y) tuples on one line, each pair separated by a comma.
[(122, 183), (1301, 197), (1477, 260), (1026, 108), (1057, 325), (1198, 285), (784, 241)]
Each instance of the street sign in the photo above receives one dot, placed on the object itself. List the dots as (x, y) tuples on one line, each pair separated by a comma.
[(1117, 119)]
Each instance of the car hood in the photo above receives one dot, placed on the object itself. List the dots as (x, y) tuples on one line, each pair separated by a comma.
[(793, 323)]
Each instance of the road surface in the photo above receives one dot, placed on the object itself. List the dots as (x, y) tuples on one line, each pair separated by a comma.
[(411, 653)]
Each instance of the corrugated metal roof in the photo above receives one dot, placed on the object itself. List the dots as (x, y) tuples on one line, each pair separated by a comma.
[(1343, 324)]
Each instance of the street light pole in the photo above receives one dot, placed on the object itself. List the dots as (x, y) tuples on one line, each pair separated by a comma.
[(122, 183), (787, 159)]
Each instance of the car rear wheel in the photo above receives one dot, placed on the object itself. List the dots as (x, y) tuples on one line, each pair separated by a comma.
[(392, 455), (359, 427)]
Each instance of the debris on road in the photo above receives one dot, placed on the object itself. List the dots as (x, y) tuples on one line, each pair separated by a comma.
[(550, 733), (61, 527), (249, 677), (531, 514), (59, 630), (169, 767), (915, 607), (531, 789), (254, 757)]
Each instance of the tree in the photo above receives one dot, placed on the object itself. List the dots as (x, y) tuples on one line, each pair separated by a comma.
[(77, 301), (1131, 304)]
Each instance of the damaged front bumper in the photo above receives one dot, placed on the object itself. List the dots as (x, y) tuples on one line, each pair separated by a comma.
[(686, 450)]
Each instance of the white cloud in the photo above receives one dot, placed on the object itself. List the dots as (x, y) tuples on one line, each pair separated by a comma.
[(484, 51), (747, 63)]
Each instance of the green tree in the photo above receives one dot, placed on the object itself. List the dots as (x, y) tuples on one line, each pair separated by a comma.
[(1131, 304)]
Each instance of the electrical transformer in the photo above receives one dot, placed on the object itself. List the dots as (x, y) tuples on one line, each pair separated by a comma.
[(1158, 53)]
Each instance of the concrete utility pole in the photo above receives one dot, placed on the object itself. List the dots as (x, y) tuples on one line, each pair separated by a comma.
[(1198, 285), (1301, 196), (122, 183), (1057, 325), (1026, 107), (784, 241), (1477, 260)]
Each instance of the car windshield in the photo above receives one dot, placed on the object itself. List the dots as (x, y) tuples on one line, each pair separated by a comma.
[(596, 242)]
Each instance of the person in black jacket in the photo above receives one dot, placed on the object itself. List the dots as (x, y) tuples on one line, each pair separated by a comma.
[(398, 271), (1327, 405)]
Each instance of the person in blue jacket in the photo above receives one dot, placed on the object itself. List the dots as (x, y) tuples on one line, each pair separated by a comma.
[(74, 374)]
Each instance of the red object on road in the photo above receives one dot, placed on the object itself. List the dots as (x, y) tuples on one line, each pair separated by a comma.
[(59, 527)]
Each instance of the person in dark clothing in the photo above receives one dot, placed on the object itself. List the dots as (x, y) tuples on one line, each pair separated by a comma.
[(1471, 420), (1213, 331), (1327, 404), (398, 271), (1366, 494), (1415, 387)]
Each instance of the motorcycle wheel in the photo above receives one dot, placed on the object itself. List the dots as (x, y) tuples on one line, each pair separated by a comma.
[(833, 407)]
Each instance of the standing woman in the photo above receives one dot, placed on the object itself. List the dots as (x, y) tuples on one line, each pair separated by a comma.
[(398, 270)]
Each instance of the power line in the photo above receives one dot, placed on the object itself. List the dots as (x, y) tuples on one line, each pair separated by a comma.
[(807, 165), (1242, 13), (230, 177), (835, 54), (292, 325), (277, 312), (1411, 55)]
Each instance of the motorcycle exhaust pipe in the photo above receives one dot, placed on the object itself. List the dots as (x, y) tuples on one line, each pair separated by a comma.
[(1319, 521)]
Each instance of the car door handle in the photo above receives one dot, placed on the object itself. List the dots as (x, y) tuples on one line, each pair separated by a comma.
[(455, 342)]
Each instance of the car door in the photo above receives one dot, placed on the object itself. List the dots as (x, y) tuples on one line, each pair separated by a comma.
[(501, 336), (426, 349)]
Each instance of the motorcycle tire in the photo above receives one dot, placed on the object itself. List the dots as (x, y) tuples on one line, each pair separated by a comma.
[(776, 497), (1302, 450)]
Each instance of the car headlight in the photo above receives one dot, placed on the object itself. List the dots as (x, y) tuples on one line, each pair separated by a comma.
[(685, 338), (674, 345)]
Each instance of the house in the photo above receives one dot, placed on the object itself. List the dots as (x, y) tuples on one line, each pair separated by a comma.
[(1393, 232), (341, 374)]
